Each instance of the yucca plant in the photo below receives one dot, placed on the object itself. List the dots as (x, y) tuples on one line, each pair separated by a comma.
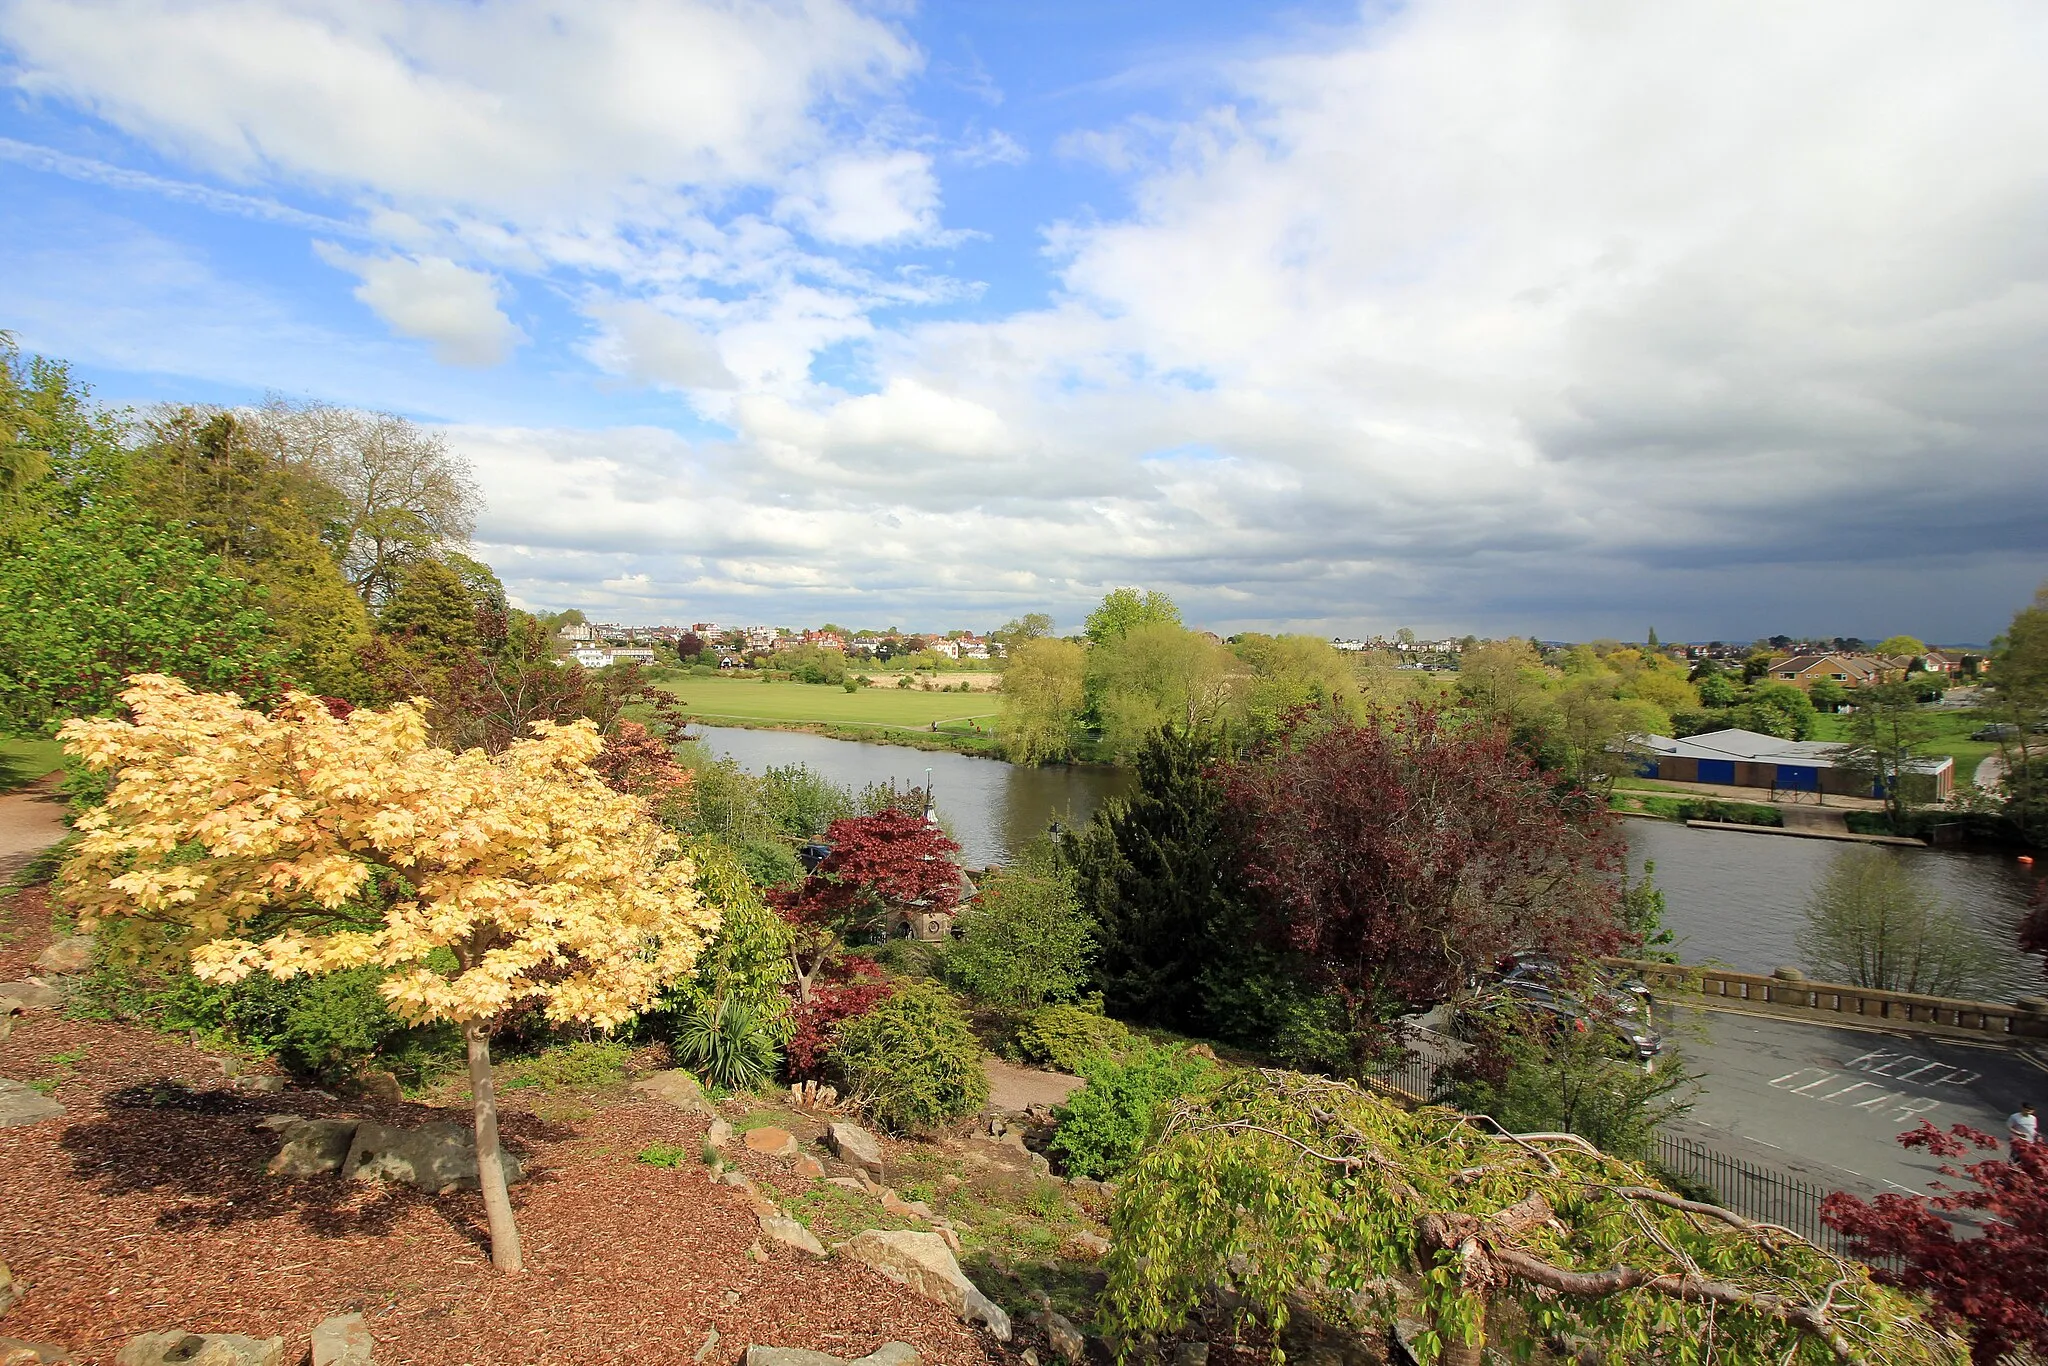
[(729, 1042)]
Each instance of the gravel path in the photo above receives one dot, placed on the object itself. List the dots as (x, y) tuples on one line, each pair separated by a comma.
[(1013, 1089), (31, 820)]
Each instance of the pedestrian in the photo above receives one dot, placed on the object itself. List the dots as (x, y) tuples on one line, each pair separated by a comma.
[(2021, 1125)]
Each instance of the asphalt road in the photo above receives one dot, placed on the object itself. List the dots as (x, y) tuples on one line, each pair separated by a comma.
[(1826, 1103)]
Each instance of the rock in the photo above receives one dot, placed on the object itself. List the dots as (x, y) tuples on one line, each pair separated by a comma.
[(1039, 1165), (68, 957), (21, 996), (434, 1157), (677, 1088), (21, 1105), (710, 1346), (278, 1123), (905, 1209), (1191, 1354), (735, 1178), (1093, 1244), (846, 1181), (1065, 1338), (261, 1085), (343, 1340), (1030, 1356), (952, 1239), (1202, 1050), (772, 1141), (791, 1234), (888, 1354), (11, 1290), (378, 1085), (807, 1166), (314, 1147), (1089, 1185), (7, 1019), (856, 1145), (15, 1352), (719, 1134), (923, 1263), (201, 1349)]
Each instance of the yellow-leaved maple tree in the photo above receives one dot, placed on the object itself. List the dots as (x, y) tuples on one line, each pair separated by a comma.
[(306, 842)]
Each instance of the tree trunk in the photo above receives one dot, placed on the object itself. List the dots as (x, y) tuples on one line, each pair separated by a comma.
[(490, 1166), (1457, 1353)]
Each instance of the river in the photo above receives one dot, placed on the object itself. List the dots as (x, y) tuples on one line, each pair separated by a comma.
[(1734, 899)]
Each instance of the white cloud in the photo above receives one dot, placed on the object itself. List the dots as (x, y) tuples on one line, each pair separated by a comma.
[(432, 299), (643, 343), (863, 200)]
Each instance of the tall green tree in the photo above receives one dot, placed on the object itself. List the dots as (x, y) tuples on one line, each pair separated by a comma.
[(1873, 920), (1157, 674), (1123, 609), (1887, 738), (2019, 685), (1043, 697)]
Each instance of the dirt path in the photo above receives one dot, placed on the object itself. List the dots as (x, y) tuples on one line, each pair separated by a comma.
[(31, 820), (1013, 1089)]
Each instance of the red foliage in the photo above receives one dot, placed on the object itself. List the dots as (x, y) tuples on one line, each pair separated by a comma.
[(641, 764), (888, 859), (854, 987), (1995, 1284), (1397, 857)]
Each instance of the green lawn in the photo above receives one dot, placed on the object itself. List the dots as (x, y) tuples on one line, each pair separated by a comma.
[(715, 699), (24, 761), (1951, 737)]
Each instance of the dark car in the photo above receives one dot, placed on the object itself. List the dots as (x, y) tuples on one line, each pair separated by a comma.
[(1997, 730), (1591, 978), (1620, 1015)]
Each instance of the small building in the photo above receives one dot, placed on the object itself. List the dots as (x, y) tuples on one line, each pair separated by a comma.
[(1851, 671), (1744, 758)]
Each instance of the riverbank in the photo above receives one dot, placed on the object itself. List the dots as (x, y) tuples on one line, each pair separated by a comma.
[(914, 718)]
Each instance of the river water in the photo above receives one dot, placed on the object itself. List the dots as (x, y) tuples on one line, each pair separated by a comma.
[(1734, 899)]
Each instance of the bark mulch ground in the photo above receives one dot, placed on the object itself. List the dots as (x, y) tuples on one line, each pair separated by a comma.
[(146, 1208)]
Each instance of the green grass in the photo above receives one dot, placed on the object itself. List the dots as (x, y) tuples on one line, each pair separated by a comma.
[(24, 761), (1952, 737), (884, 707)]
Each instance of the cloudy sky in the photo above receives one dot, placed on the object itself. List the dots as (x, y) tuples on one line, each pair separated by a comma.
[(1487, 315)]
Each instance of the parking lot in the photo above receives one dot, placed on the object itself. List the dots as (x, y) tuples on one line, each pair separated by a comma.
[(1826, 1103)]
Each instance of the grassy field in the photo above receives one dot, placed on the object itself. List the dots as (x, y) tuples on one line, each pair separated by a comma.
[(24, 761), (885, 708), (1952, 737)]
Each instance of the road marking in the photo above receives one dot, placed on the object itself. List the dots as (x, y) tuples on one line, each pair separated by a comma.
[(1902, 1106), (1880, 1063)]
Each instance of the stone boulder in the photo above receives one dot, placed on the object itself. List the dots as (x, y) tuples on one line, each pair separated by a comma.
[(790, 1233), (857, 1146), (1065, 1338), (343, 1340), (888, 1354), (201, 1349), (15, 1352), (676, 1087), (313, 1147), (11, 1290), (437, 1158), (19, 996), (68, 957), (772, 1141), (21, 1105), (923, 1263)]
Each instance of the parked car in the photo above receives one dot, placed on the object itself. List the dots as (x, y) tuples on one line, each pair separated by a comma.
[(1546, 970), (1997, 730), (1625, 1020)]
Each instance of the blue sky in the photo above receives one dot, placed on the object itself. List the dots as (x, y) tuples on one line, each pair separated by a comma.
[(1563, 318)]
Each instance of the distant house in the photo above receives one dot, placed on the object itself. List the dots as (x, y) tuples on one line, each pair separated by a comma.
[(1744, 758), (591, 658), (949, 648), (1942, 662), (1851, 671)]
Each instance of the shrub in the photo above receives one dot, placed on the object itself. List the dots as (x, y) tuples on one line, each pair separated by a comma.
[(1023, 939), (595, 1062), (669, 1155), (914, 1059), (851, 988), (730, 1042), (1064, 1037), (1104, 1126)]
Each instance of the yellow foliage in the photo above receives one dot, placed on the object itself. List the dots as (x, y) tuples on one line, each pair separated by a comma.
[(301, 842)]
